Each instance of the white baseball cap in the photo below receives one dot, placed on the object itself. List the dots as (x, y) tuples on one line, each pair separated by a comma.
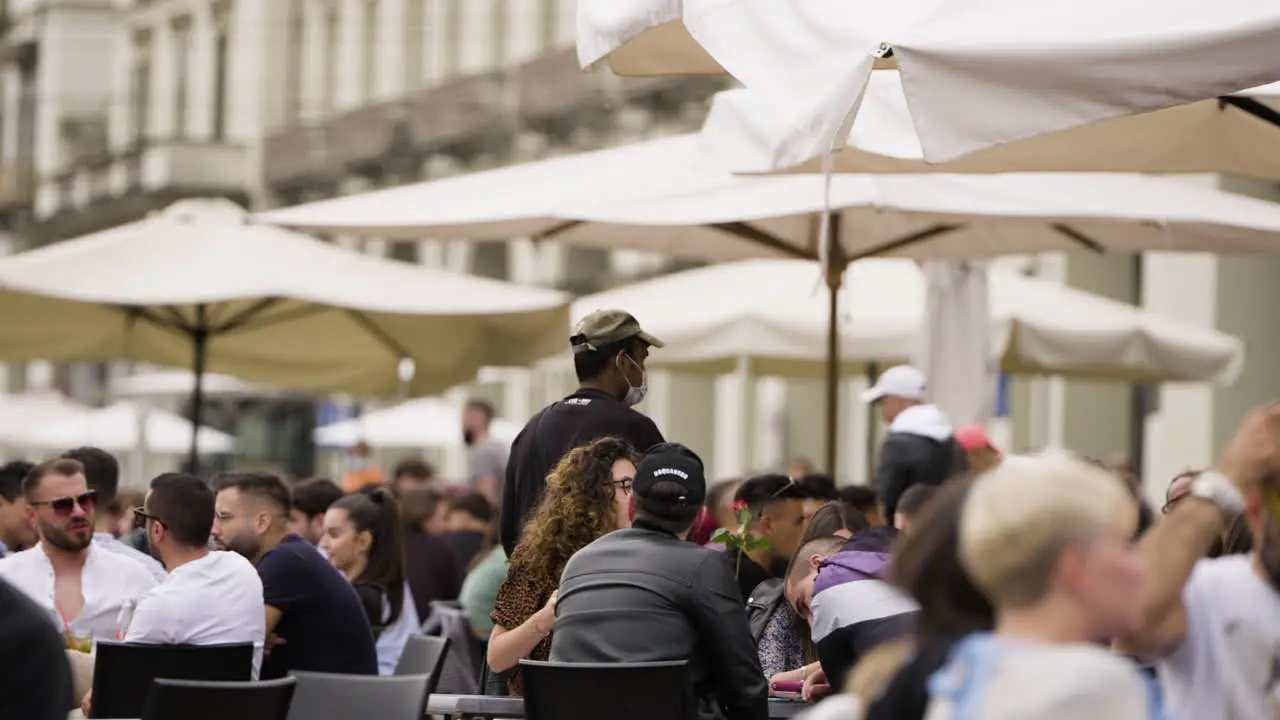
[(901, 381)]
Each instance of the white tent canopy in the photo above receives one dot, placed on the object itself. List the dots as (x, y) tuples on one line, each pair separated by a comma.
[(979, 73), (21, 412), (769, 313), (181, 383), (59, 424), (741, 134), (420, 423)]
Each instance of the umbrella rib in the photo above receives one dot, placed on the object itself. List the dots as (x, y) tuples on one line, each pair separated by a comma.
[(247, 315), (756, 236), (1079, 238), (551, 232), (174, 322), (295, 314), (1252, 106), (913, 239), (378, 333)]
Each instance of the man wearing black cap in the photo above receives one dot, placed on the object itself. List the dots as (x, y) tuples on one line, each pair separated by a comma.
[(609, 350), (645, 595)]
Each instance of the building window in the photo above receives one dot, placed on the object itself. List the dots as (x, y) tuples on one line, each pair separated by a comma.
[(333, 46), (415, 29), (293, 62), (140, 87), (500, 27), (451, 37), (549, 26), (26, 114), (369, 43), (221, 69), (181, 74)]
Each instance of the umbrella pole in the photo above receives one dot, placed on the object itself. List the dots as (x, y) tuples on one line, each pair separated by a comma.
[(833, 368), (199, 357), (834, 272)]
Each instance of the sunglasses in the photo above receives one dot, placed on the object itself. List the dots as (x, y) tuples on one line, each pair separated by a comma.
[(141, 517), (66, 505)]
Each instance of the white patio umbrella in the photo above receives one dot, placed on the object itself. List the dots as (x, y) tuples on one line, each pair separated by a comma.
[(766, 311), (202, 285), (418, 423), (979, 73), (676, 210), (1236, 135), (115, 428), (644, 38)]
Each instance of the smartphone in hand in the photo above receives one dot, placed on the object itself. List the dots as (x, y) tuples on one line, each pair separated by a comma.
[(789, 690)]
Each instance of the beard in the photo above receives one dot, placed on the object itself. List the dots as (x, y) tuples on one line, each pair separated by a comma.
[(246, 546), (71, 539)]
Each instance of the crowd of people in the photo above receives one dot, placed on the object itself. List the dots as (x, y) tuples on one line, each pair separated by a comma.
[(960, 583)]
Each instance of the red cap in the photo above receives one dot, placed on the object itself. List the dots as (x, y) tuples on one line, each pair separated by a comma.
[(974, 437)]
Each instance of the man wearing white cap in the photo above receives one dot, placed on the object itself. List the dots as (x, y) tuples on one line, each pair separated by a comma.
[(921, 446)]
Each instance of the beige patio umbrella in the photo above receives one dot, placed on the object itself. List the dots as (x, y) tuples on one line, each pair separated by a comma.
[(201, 285), (649, 197)]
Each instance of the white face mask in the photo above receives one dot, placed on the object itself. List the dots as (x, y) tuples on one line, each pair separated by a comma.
[(635, 394)]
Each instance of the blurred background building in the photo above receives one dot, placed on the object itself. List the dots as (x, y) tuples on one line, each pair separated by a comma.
[(110, 109)]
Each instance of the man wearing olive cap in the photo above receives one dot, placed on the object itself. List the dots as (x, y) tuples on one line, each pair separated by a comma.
[(609, 351)]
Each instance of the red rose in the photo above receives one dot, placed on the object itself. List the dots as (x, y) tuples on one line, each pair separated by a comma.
[(740, 506)]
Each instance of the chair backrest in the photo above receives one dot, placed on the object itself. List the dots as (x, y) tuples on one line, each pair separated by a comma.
[(620, 691), (123, 672), (460, 674), (199, 700), (330, 696), (424, 655)]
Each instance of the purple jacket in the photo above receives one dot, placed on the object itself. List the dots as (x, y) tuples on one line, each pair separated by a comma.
[(854, 609)]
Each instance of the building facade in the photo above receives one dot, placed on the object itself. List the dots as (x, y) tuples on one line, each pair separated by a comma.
[(110, 109)]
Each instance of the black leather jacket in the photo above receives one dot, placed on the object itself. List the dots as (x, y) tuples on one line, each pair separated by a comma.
[(642, 595), (765, 600)]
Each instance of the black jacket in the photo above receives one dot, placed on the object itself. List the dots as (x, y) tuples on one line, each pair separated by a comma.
[(765, 600), (35, 679), (642, 595), (584, 416), (920, 448), (906, 697)]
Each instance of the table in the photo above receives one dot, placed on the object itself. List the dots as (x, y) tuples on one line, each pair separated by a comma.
[(457, 707)]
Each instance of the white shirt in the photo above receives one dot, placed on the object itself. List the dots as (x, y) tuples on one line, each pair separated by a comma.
[(109, 543), (211, 601), (391, 642), (107, 581), (1047, 682), (1228, 665)]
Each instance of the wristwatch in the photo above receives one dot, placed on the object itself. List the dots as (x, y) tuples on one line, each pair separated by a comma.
[(1218, 489)]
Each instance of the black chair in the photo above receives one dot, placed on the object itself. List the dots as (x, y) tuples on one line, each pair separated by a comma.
[(195, 700), (424, 655), (330, 696), (123, 672), (578, 691)]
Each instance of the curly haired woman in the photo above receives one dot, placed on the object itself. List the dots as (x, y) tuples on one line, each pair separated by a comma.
[(587, 496)]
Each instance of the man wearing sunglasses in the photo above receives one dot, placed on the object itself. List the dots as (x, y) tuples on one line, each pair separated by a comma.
[(89, 585)]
